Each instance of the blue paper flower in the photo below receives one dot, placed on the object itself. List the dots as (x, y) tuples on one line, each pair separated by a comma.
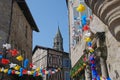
[(26, 63), (9, 71), (89, 44), (108, 78), (21, 70)]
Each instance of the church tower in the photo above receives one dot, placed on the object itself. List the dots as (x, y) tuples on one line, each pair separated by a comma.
[(58, 41)]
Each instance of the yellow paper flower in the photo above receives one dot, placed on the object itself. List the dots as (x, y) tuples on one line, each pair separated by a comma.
[(29, 73), (19, 58), (17, 67), (32, 72), (84, 64), (38, 69), (5, 70), (0, 70), (17, 72), (80, 8), (87, 39), (91, 50)]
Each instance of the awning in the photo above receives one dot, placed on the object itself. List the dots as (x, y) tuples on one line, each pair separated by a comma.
[(78, 68)]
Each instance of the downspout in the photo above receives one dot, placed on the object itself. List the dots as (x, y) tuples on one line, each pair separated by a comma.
[(10, 24)]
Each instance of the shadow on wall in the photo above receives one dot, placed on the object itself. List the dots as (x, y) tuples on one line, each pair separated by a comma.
[(109, 13)]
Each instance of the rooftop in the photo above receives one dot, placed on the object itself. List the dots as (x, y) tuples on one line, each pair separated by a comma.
[(27, 13)]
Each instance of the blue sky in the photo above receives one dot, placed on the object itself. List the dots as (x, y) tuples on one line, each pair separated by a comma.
[(48, 14)]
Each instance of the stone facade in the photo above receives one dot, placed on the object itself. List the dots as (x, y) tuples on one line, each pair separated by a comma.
[(21, 32), (49, 59), (105, 20), (15, 28), (109, 15), (75, 31), (112, 56), (109, 48)]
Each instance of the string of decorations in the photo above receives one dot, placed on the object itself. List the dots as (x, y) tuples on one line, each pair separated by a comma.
[(17, 69), (75, 71), (95, 75)]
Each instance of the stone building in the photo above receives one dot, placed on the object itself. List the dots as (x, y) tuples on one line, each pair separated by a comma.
[(76, 33), (104, 27), (17, 26), (107, 12), (50, 59)]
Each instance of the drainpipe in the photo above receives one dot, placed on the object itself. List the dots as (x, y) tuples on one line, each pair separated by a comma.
[(10, 25), (102, 52)]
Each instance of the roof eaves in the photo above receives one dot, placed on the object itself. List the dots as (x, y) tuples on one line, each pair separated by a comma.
[(22, 4)]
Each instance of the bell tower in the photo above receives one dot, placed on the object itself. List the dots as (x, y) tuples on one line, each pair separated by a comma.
[(58, 41)]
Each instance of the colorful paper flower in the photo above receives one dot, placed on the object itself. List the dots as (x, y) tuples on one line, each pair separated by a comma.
[(5, 61), (7, 46), (80, 8), (14, 52), (19, 58)]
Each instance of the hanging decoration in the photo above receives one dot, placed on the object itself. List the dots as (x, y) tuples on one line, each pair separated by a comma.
[(19, 58), (5, 61), (26, 63), (7, 46), (95, 75), (86, 28), (18, 70), (83, 25), (1, 56), (80, 8), (17, 67), (12, 65), (13, 52), (84, 20)]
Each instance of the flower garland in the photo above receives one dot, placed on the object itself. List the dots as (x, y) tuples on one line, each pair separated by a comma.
[(18, 70), (95, 75)]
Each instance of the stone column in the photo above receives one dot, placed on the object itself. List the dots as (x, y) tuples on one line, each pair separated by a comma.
[(102, 53), (103, 67), (87, 73)]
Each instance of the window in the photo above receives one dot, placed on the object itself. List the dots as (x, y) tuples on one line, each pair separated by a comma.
[(50, 60), (57, 43), (54, 60), (60, 61), (75, 13), (66, 63)]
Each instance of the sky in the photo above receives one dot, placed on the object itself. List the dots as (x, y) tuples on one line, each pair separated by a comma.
[(48, 15)]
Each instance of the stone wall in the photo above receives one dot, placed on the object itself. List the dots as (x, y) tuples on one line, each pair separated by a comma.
[(113, 59), (5, 14), (77, 51), (40, 58), (20, 32), (14, 28)]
